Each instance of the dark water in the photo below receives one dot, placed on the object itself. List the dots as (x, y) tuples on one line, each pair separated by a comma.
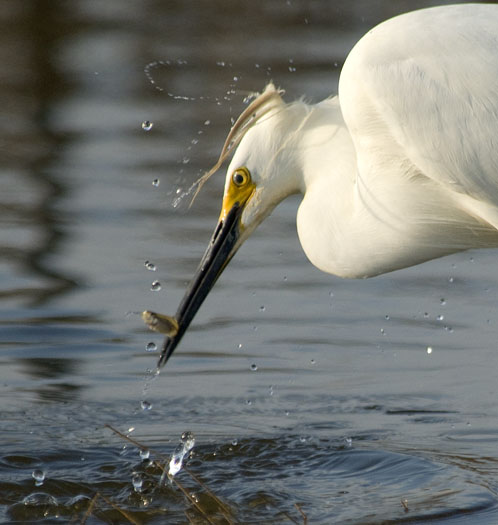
[(345, 413)]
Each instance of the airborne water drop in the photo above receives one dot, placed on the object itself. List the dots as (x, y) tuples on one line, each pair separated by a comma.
[(150, 266), (145, 405), (38, 476), (147, 125), (151, 347)]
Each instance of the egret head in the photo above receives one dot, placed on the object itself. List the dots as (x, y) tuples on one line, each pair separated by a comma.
[(254, 186)]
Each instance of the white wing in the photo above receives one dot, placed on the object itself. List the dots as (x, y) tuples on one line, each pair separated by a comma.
[(426, 84)]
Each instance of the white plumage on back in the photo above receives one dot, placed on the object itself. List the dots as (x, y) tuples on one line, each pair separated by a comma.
[(402, 167)]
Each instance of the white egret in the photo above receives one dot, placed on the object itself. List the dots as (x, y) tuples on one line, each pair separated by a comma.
[(399, 168)]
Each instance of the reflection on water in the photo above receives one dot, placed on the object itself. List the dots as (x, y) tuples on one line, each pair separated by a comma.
[(29, 190), (300, 388), (51, 375)]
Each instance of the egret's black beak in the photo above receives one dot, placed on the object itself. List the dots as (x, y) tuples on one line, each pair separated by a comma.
[(221, 249), (225, 241)]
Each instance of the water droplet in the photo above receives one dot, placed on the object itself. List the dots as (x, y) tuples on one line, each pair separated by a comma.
[(429, 349), (150, 266), (144, 453), (145, 405), (313, 362), (240, 345), (249, 97), (234, 442), (440, 317), (38, 476), (188, 440), (175, 463), (387, 318), (248, 402), (426, 315), (451, 279), (137, 482), (131, 429), (155, 286), (348, 442), (147, 125), (156, 183), (270, 390), (254, 367), (382, 331), (207, 122), (262, 308), (442, 301), (151, 347)]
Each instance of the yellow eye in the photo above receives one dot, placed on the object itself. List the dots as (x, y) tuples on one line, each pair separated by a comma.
[(241, 177)]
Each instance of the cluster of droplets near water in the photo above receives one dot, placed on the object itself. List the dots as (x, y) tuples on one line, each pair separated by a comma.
[(184, 449), (149, 378)]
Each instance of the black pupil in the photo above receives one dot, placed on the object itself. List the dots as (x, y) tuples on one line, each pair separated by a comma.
[(238, 178)]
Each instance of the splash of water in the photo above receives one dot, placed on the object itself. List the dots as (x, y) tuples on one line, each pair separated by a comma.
[(181, 195), (187, 443)]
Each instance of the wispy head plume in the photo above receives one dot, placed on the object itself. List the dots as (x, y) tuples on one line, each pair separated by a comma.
[(260, 106)]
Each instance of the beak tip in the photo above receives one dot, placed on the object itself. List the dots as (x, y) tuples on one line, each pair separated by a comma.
[(168, 348), (221, 249)]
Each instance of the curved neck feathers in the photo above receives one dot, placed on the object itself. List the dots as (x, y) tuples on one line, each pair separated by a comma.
[(365, 212), (305, 143)]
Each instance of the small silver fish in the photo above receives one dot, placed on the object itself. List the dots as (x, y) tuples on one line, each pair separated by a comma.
[(163, 324)]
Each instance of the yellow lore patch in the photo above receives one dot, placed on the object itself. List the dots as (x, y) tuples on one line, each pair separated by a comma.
[(239, 191)]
